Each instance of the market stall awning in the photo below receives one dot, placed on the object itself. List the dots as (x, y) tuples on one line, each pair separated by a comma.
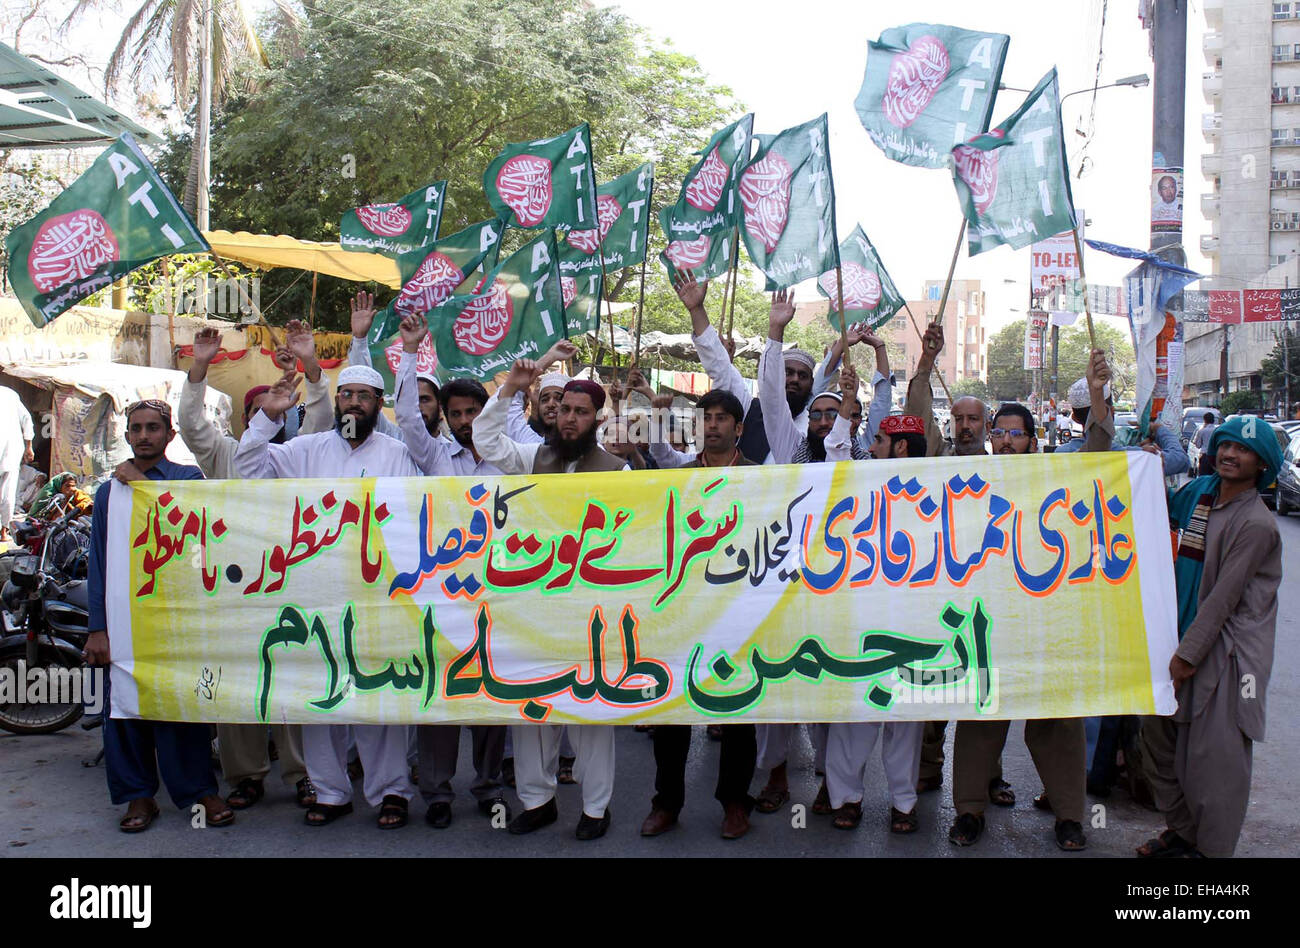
[(40, 110), (268, 251)]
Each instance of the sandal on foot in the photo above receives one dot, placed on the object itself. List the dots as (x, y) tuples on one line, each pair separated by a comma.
[(223, 815), (848, 816), (138, 821), (900, 822), (247, 792), (822, 803), (392, 805), (322, 814), (1000, 793), (1041, 802), (966, 829), (1165, 846), (306, 792), (769, 799), (1069, 836)]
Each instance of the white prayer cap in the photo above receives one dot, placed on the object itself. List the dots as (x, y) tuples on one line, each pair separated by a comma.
[(798, 355), (361, 375), (428, 377), (554, 380), (1080, 397)]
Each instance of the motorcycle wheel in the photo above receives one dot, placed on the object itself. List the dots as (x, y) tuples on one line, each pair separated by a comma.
[(45, 718)]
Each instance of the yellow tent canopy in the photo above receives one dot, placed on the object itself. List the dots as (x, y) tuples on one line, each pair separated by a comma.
[(268, 251)]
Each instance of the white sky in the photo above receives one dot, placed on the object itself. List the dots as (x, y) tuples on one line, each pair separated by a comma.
[(790, 61)]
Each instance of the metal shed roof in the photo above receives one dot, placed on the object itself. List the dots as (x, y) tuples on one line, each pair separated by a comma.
[(40, 110)]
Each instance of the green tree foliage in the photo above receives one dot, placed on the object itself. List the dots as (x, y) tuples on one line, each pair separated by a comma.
[(25, 191), (1006, 356), (1236, 402), (1273, 367), (971, 386), (363, 103)]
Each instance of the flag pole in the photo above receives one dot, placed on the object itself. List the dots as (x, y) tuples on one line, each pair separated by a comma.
[(613, 352), (729, 283), (952, 268), (735, 283), (1087, 307), (244, 295), (640, 304), (937, 370)]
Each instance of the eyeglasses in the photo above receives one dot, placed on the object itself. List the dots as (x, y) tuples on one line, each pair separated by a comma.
[(820, 414), (1009, 433), (363, 396)]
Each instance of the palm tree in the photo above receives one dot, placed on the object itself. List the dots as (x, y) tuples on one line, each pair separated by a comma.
[(167, 39)]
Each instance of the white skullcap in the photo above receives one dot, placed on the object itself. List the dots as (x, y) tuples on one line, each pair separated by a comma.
[(798, 355), (361, 375), (1079, 395), (428, 377), (554, 380)]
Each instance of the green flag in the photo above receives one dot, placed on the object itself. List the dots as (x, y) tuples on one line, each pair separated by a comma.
[(927, 88), (788, 204), (395, 229), (430, 275), (116, 217), (545, 183), (515, 312), (1013, 182), (701, 226), (623, 209), (869, 294)]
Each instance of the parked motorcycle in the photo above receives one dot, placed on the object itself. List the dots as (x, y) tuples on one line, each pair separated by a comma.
[(46, 617)]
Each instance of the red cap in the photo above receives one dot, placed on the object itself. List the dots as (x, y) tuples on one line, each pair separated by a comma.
[(902, 424), (251, 394)]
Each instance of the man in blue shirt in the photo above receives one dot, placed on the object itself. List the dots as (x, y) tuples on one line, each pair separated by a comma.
[(136, 751)]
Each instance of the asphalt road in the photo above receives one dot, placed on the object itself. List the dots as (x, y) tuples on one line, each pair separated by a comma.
[(51, 805)]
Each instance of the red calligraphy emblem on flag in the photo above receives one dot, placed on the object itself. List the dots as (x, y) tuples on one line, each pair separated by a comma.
[(70, 247), (524, 183), (705, 189), (426, 358), (765, 197), (684, 254), (484, 321), (979, 170), (861, 287), (434, 281), (914, 78), (385, 220), (608, 210), (569, 290)]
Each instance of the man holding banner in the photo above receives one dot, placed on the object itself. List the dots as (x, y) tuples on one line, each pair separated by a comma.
[(352, 449), (537, 747)]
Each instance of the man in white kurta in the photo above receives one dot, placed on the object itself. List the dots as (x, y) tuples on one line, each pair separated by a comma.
[(382, 748), (16, 434)]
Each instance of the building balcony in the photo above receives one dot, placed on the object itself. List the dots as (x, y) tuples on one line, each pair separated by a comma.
[(1212, 46), (1213, 13), (1210, 244), (1212, 86), (1211, 125), (1210, 205), (1211, 164), (1288, 223)]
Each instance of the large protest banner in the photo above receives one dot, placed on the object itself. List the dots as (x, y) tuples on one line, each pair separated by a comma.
[(928, 589)]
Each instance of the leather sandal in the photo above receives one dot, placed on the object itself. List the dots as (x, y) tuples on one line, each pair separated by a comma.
[(392, 805), (139, 821), (322, 814), (848, 816), (900, 822), (247, 792)]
